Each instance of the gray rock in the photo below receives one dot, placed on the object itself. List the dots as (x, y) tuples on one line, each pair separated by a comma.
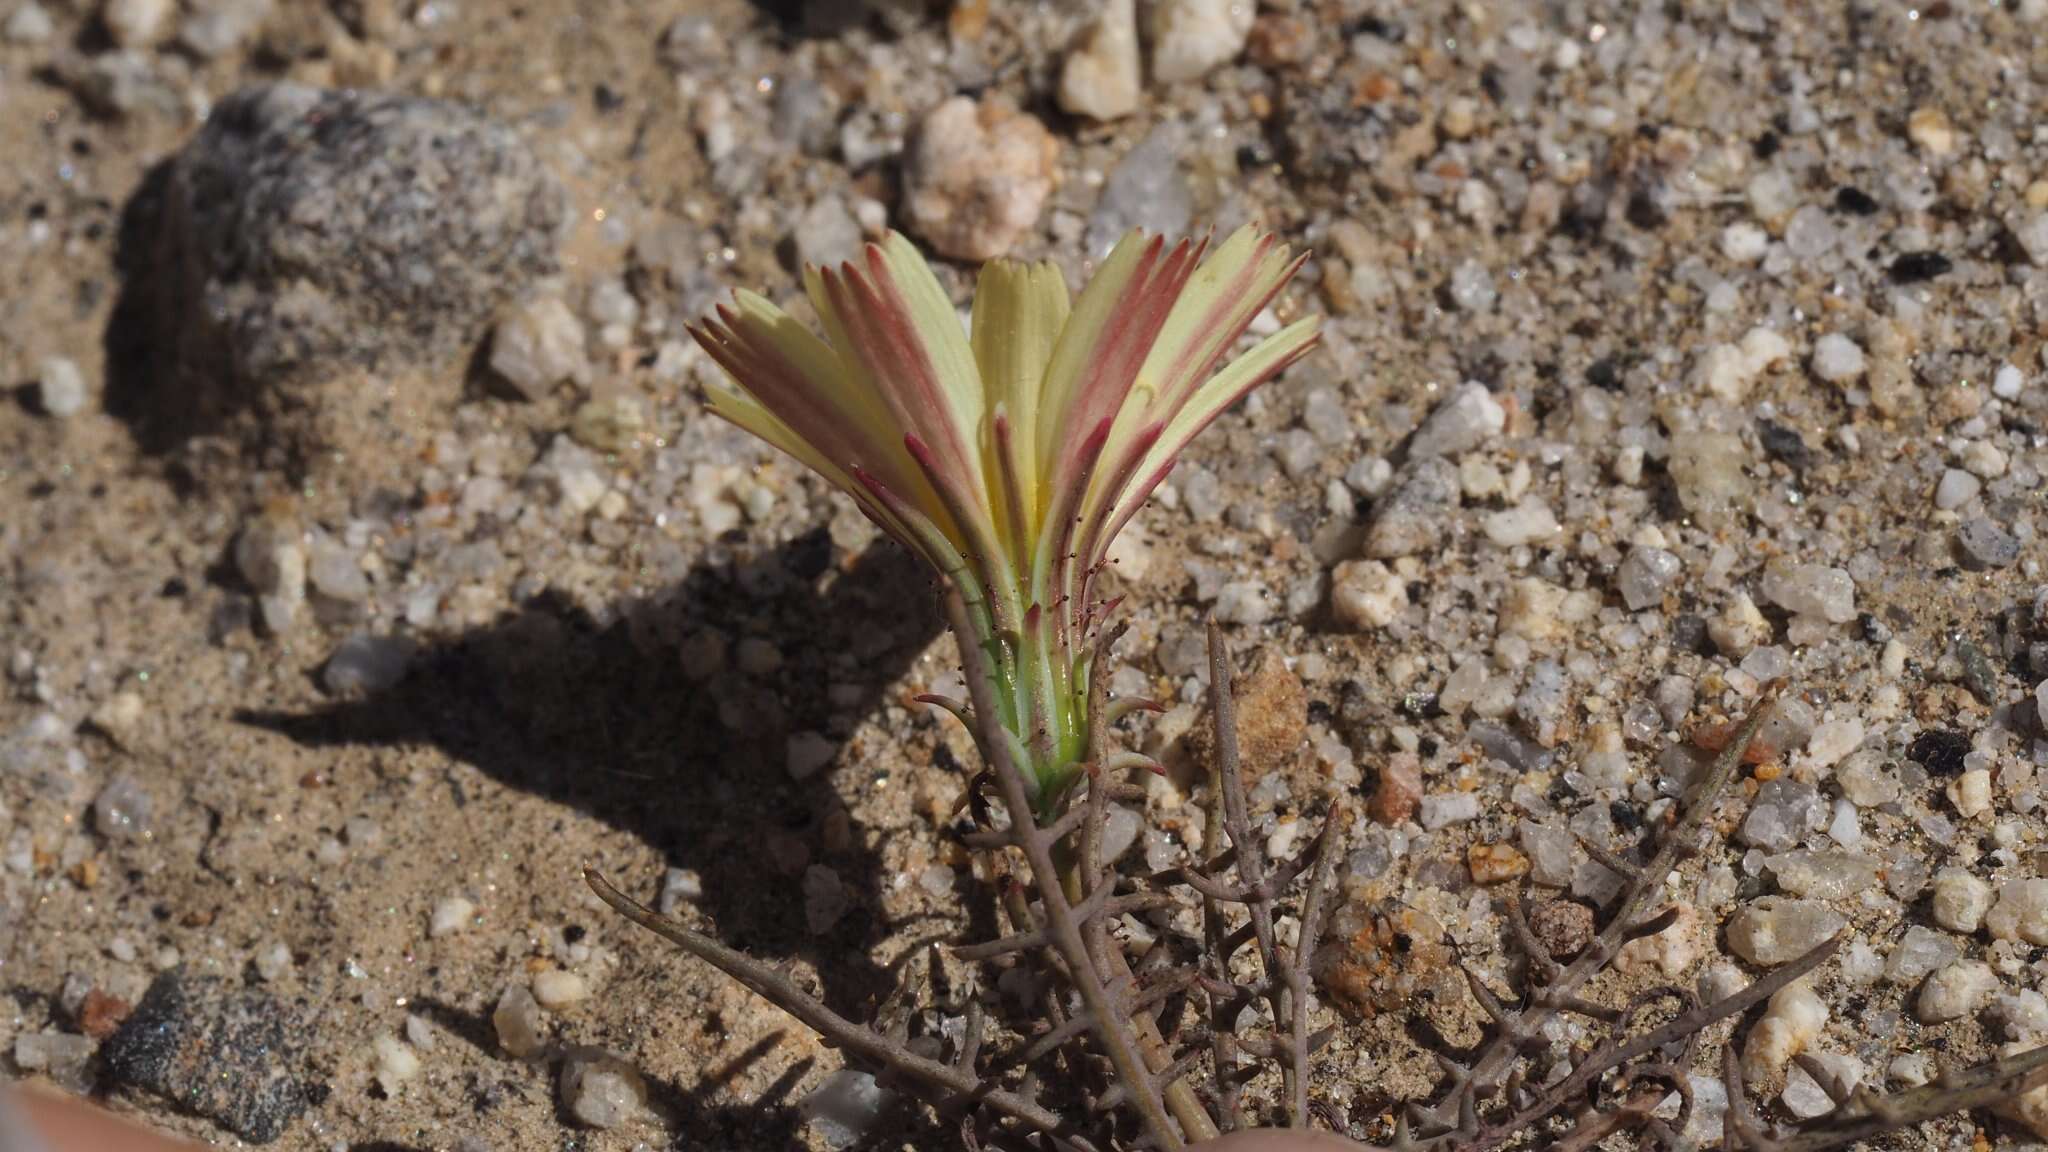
[(1145, 190), (217, 1050), (365, 664), (304, 233), (846, 1107), (1985, 544), (1468, 418), (122, 809), (1414, 518), (1644, 577), (601, 1090)]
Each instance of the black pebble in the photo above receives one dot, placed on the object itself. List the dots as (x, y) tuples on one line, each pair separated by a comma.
[(1855, 201), (1915, 267), (1939, 751)]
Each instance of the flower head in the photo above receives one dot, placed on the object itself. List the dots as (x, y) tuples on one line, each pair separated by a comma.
[(1010, 457)]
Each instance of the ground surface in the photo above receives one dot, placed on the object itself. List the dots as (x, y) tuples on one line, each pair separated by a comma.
[(1588, 210)]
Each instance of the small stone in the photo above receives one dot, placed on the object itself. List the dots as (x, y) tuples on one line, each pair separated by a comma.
[(846, 1107), (1959, 900), (216, 1049), (556, 989), (825, 899), (1744, 243), (270, 558), (1956, 489), (1100, 78), (1773, 930), (1971, 793), (396, 1064), (60, 388), (517, 1021), (1563, 927), (1472, 288), (1805, 1099), (978, 176), (679, 886), (1495, 863), (1189, 37), (1399, 791), (575, 476), (601, 1090), (28, 24), (1243, 602), (1645, 576), (2009, 382), (1146, 189), (122, 809), (1920, 951), (273, 963), (64, 1057), (1670, 952), (1413, 519), (2020, 913), (1793, 1020), (1120, 829), (1447, 808), (1833, 740), (538, 345), (827, 233), (1811, 590), (1529, 522), (450, 916), (1707, 471), (217, 27), (807, 753), (1822, 875), (135, 23), (335, 572), (367, 664), (1986, 545), (1552, 852), (1469, 418), (1955, 992), (1365, 594), (1837, 359), (1929, 129)]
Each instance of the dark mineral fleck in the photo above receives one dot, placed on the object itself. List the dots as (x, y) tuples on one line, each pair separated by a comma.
[(1940, 751), (230, 1054), (1917, 267)]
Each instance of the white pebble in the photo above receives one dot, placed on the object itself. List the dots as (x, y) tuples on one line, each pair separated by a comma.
[(1793, 1020), (2020, 913), (1837, 359), (1956, 489), (1744, 242), (396, 1064), (1189, 37), (556, 989), (450, 916), (1959, 900), (1366, 594), (1955, 992)]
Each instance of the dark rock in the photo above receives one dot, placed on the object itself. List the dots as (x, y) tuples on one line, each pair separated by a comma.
[(1855, 201), (305, 234), (1940, 751), (1915, 267), (1784, 444), (1985, 544), (230, 1054)]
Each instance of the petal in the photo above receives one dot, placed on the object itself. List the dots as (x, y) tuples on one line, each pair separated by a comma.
[(1219, 303), (1266, 360), (1019, 311), (899, 341)]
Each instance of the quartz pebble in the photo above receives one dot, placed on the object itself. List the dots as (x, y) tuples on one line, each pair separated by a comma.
[(1772, 930), (1959, 900), (538, 345), (60, 387), (1526, 523), (1412, 519), (517, 1022), (1837, 359), (1645, 576), (1804, 1098), (1468, 418), (1447, 808), (122, 809), (29, 23), (1823, 875), (1100, 78), (1189, 37), (825, 899), (1365, 594), (1918, 952), (1954, 992), (1811, 590), (600, 1090), (1985, 545), (135, 23), (450, 916), (556, 989), (2020, 912), (978, 176), (846, 1107), (366, 664), (1793, 1019), (1956, 489), (396, 1064)]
